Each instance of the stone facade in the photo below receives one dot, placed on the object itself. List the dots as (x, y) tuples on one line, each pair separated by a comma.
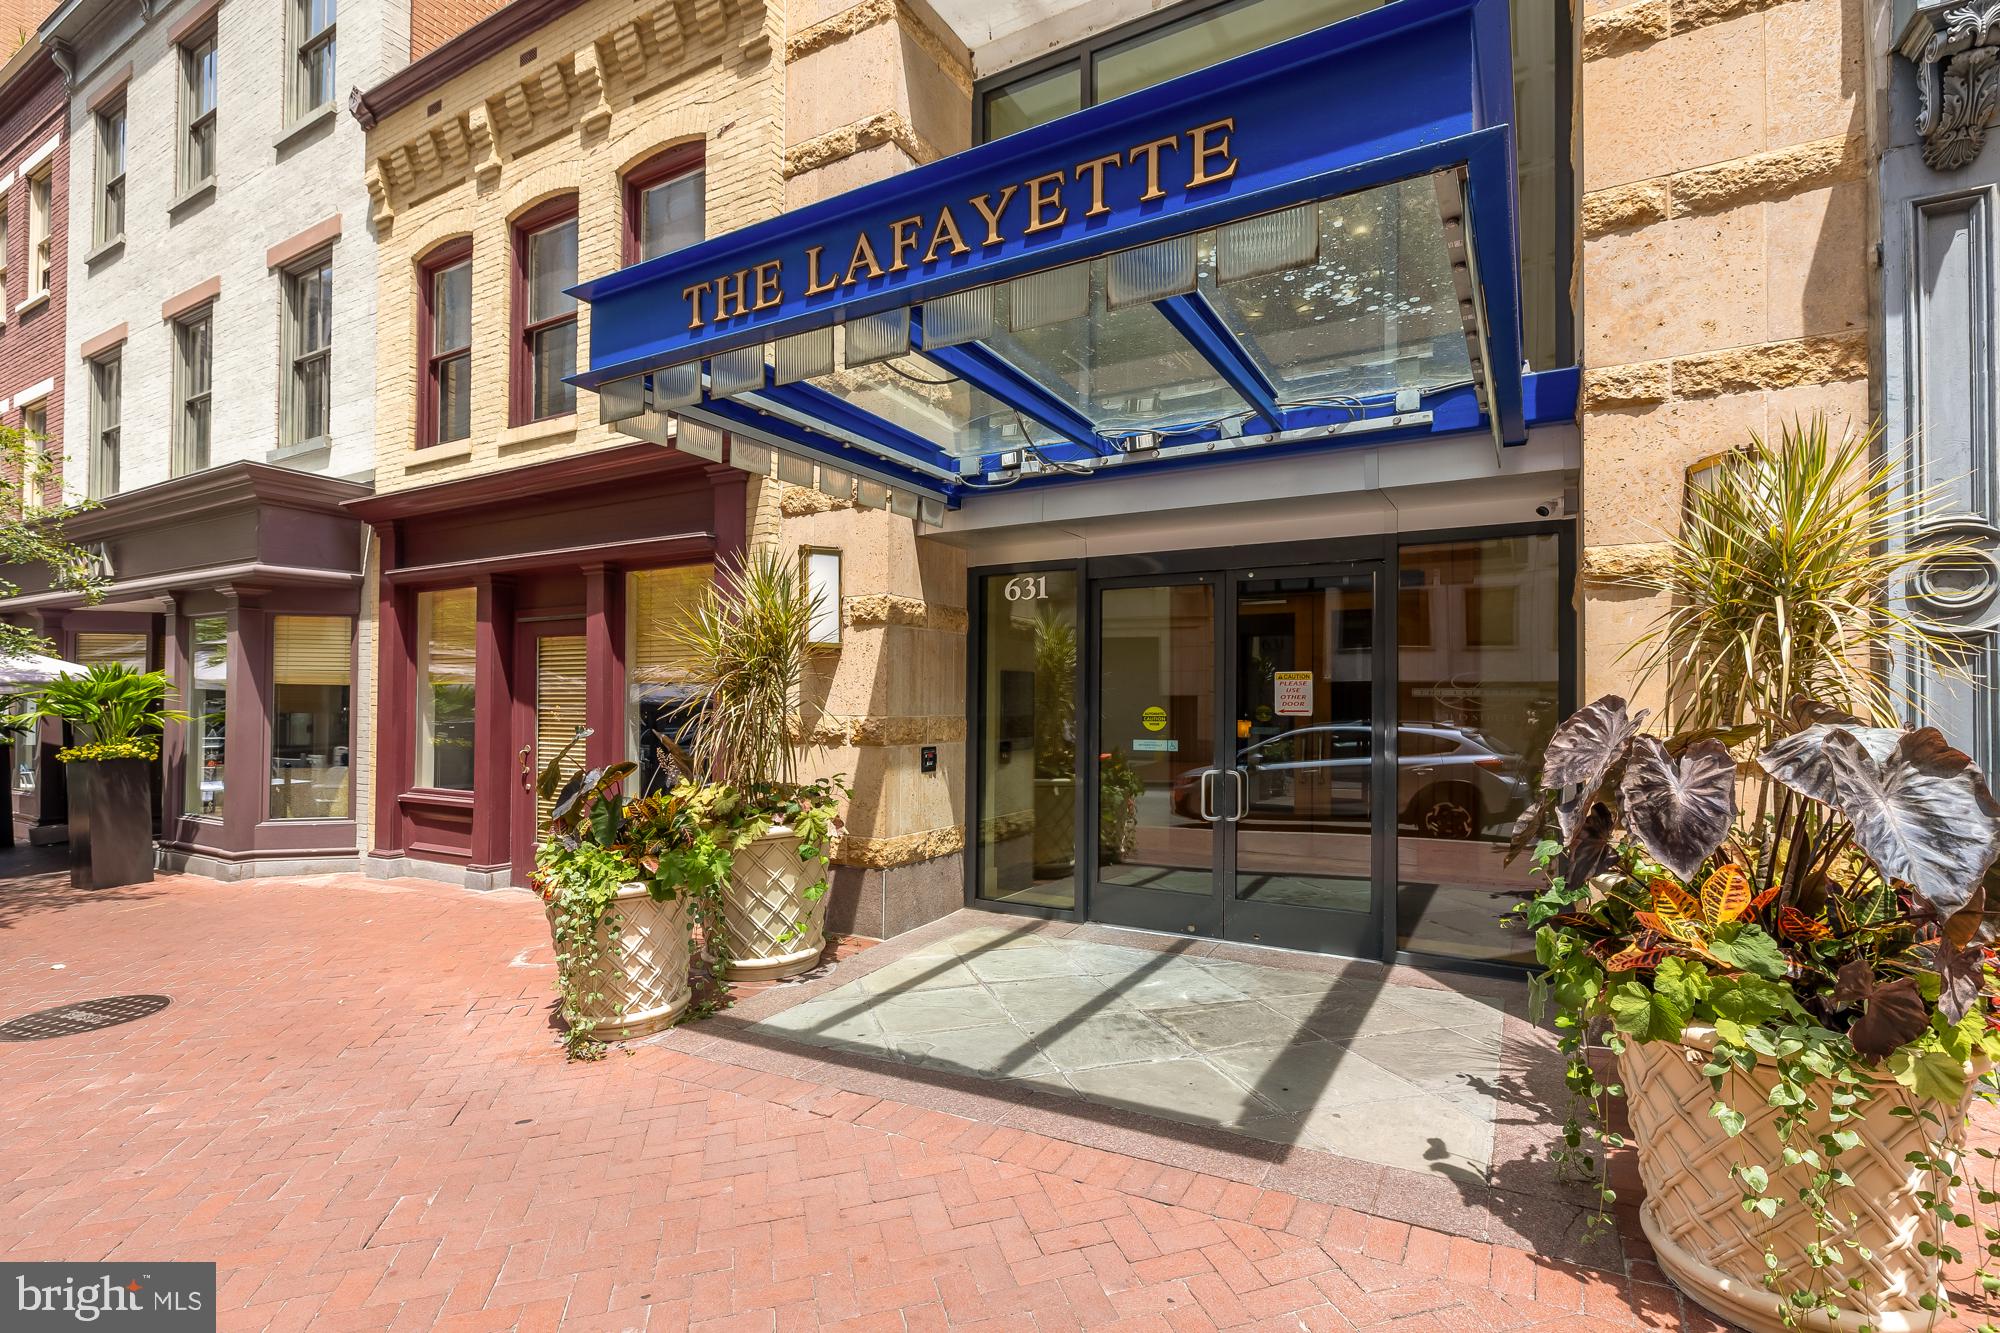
[(1728, 242)]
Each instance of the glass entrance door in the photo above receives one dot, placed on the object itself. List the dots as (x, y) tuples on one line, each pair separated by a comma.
[(1238, 788)]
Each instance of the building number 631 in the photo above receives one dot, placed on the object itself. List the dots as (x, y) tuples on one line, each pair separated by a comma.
[(1027, 587)]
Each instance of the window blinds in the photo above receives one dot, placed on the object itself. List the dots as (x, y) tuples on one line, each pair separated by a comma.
[(655, 602), (312, 650)]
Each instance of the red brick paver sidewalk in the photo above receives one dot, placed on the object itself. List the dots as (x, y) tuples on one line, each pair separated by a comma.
[(355, 1105)]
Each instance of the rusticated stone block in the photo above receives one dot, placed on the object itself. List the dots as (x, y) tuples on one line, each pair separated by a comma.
[(881, 853), (1822, 360), (1624, 206), (1626, 386), (1628, 563), (1778, 174), (1626, 28)]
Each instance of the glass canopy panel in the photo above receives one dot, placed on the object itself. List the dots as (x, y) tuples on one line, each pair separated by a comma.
[(1123, 370), (934, 405), (1378, 312)]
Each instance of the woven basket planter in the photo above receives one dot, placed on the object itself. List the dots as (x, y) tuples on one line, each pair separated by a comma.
[(773, 931), (642, 982), (1714, 1249)]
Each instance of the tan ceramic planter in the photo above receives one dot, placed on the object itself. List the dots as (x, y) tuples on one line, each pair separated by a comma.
[(773, 931), (1714, 1250), (643, 984)]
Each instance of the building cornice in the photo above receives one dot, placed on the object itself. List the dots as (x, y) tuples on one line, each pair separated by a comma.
[(233, 486), (619, 464), (492, 34)]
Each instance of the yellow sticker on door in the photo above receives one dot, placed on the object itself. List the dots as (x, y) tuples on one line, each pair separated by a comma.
[(1154, 718)]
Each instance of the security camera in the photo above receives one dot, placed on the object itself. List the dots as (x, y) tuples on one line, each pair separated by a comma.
[(1550, 508)]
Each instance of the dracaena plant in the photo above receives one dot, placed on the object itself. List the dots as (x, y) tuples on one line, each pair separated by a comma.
[(1841, 935)]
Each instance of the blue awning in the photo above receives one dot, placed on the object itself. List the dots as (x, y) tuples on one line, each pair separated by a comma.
[(1309, 242)]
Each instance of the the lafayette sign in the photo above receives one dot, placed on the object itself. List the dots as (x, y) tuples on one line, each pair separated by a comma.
[(1395, 93), (1191, 160)]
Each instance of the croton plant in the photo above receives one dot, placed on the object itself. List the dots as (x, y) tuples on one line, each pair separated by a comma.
[(1821, 908)]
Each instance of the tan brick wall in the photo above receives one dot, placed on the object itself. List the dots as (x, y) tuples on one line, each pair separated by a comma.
[(18, 21), (1728, 229), (607, 87), (435, 22)]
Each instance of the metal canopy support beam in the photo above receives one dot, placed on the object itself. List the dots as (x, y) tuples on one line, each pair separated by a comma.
[(818, 404), (1197, 321), (984, 369), (779, 433)]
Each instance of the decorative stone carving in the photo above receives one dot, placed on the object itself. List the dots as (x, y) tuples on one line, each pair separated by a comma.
[(1955, 46)]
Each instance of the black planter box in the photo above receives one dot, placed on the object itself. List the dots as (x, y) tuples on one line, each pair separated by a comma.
[(110, 823)]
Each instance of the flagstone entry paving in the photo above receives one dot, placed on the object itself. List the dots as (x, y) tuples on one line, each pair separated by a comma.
[(1400, 1076)]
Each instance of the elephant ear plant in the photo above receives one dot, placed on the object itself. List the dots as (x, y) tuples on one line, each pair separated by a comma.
[(594, 844), (1842, 936)]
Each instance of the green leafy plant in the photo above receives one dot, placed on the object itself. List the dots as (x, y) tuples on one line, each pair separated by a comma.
[(115, 712), (1055, 695), (1779, 583), (1843, 939), (31, 535), (746, 642), (595, 842)]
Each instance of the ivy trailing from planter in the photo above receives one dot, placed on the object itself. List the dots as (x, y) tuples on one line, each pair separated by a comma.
[(1841, 938)]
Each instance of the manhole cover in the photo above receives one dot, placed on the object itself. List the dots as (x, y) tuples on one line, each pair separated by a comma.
[(66, 1020)]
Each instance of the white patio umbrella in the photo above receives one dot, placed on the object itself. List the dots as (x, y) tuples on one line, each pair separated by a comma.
[(34, 669)]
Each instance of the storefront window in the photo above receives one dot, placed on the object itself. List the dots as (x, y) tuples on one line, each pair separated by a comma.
[(1028, 737), (445, 674), (312, 677), (1479, 627), (658, 682), (208, 658), (127, 650)]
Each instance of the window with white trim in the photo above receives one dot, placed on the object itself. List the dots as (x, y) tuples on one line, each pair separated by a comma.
[(198, 88), (306, 411), (106, 374), (313, 51), (110, 222), (193, 390), (41, 198)]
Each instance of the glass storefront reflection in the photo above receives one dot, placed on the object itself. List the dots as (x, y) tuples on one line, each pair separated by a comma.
[(1028, 734), (1479, 679)]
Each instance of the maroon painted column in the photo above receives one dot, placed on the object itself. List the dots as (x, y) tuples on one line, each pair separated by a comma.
[(175, 743), (395, 754), (604, 664), (495, 766), (246, 743)]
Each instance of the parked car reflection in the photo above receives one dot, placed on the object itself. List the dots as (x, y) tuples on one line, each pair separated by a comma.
[(1451, 781)]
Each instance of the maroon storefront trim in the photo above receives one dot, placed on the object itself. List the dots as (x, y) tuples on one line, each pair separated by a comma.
[(508, 536)]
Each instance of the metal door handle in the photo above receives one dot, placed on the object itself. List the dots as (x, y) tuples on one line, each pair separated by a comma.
[(527, 768), (1242, 793), (1206, 799)]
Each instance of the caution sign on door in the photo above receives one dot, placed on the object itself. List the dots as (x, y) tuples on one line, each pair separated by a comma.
[(1294, 691)]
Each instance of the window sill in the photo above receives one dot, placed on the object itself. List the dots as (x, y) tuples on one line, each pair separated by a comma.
[(190, 197), (111, 249), (304, 126), (439, 453), (538, 432), (31, 304), (288, 455), (436, 798)]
